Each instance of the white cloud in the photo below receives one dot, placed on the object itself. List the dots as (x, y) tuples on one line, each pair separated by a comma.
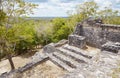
[(54, 1), (118, 1), (107, 3), (54, 8), (59, 8)]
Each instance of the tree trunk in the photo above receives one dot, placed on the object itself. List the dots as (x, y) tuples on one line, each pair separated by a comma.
[(11, 62)]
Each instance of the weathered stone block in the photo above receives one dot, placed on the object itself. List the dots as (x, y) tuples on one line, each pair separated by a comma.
[(77, 41), (50, 48), (111, 47)]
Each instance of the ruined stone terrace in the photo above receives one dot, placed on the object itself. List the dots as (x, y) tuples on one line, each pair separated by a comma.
[(73, 55)]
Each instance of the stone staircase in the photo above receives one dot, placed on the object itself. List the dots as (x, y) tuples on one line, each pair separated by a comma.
[(69, 57)]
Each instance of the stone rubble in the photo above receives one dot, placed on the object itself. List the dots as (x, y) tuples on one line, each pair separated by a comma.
[(111, 47)]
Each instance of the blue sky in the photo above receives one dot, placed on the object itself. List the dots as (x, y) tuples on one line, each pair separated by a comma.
[(59, 8)]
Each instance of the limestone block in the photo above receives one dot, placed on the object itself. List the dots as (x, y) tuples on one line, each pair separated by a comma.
[(77, 41), (50, 48)]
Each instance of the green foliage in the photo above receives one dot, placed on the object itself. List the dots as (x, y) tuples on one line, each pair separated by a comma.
[(58, 23), (2, 17), (87, 9), (112, 20), (60, 29), (110, 16), (91, 9), (2, 34), (17, 8), (14, 35), (26, 35), (62, 33), (44, 32), (21, 34)]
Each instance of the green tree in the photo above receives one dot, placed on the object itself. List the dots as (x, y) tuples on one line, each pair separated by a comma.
[(62, 33), (61, 29), (91, 9), (58, 23), (13, 9), (82, 11), (87, 9), (108, 15), (26, 35)]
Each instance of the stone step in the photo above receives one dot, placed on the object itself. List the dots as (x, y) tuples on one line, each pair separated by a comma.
[(73, 55), (68, 60), (60, 63), (78, 51)]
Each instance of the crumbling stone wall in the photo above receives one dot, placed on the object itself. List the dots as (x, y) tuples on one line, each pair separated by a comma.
[(98, 34)]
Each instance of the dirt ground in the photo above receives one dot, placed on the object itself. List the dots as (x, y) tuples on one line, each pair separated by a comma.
[(18, 61), (92, 49), (44, 70)]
